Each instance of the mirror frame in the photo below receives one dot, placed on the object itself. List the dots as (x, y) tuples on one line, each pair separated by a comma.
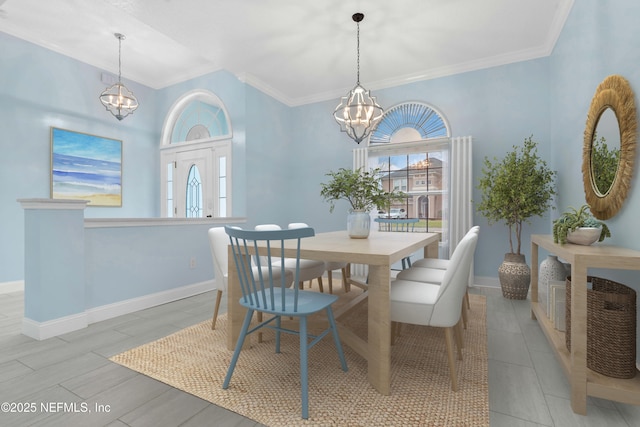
[(614, 92)]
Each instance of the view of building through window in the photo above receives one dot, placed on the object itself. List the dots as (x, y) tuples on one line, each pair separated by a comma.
[(422, 176)]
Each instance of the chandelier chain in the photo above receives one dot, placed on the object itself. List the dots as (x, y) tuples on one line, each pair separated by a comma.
[(119, 58), (358, 55)]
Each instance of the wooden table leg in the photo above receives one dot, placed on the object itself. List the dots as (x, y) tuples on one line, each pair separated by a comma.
[(578, 338), (431, 251), (379, 332)]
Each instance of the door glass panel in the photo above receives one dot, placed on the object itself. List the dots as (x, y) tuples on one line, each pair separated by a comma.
[(194, 194)]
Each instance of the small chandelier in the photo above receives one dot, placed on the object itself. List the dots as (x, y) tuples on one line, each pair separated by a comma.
[(117, 99), (358, 111)]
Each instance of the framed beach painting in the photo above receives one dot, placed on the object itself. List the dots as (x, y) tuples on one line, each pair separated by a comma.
[(86, 167)]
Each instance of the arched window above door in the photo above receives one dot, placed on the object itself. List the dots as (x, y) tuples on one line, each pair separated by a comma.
[(197, 115), (200, 120)]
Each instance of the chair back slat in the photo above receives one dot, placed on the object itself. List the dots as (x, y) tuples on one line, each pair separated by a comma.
[(264, 286)]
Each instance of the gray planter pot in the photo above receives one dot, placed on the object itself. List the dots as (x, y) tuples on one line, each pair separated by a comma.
[(515, 276)]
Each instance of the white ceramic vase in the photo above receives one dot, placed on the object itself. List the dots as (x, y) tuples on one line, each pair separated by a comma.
[(551, 271), (358, 224)]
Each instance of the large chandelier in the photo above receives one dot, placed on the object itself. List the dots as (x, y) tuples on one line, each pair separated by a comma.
[(117, 99), (358, 111)]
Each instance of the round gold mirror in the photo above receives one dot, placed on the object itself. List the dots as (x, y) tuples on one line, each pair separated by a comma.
[(609, 147)]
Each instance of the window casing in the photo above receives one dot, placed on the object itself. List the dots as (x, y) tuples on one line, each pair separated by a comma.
[(406, 170), (195, 155), (410, 146)]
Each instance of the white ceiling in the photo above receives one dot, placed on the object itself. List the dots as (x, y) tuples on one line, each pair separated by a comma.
[(298, 51)]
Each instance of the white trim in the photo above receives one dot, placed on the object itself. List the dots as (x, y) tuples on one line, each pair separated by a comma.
[(52, 204), (8, 287), (63, 325), (120, 308), (490, 282), (392, 148), (55, 327), (155, 222), (253, 81), (197, 144)]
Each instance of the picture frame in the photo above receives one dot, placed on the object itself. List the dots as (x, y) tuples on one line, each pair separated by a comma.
[(86, 167)]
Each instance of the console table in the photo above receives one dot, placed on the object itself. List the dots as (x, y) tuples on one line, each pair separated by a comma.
[(584, 382)]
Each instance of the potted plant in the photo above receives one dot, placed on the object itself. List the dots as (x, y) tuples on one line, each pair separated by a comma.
[(363, 190), (580, 227), (514, 189)]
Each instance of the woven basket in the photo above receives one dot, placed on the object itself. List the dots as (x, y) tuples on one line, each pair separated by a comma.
[(611, 327)]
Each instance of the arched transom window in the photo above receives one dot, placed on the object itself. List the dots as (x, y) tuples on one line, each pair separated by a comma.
[(411, 121)]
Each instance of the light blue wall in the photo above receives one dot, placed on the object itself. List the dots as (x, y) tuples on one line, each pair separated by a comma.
[(54, 239), (600, 38), (269, 164), (40, 89), (123, 263), (281, 154), (317, 146)]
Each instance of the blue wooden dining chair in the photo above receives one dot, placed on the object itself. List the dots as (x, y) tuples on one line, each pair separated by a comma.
[(268, 292)]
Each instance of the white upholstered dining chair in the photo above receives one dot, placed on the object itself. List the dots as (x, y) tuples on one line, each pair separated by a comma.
[(309, 269), (219, 241), (328, 266), (437, 305), (432, 269), (441, 263)]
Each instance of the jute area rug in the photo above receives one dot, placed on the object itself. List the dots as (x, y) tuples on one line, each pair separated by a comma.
[(265, 386)]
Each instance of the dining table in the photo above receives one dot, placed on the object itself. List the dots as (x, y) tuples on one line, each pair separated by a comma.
[(379, 251)]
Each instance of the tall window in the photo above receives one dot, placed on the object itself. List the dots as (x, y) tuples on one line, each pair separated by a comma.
[(196, 158), (410, 146), (422, 176)]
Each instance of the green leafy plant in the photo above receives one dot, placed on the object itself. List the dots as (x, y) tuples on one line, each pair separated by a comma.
[(574, 219), (516, 188), (362, 189)]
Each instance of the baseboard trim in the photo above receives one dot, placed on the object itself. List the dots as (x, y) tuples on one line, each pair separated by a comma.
[(8, 287), (52, 328), (120, 308), (66, 324), (491, 282)]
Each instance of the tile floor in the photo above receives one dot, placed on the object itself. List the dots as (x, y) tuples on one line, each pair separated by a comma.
[(526, 385)]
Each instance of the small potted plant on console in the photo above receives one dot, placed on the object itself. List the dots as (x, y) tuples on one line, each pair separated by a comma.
[(580, 227)]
